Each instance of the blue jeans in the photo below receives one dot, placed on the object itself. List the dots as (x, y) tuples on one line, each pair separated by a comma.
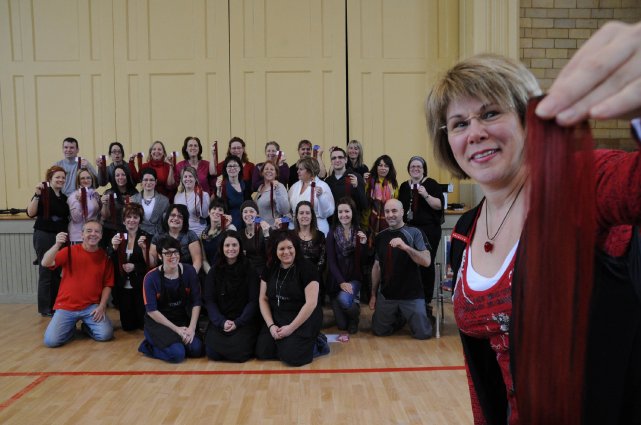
[(174, 353), (63, 326), (345, 300)]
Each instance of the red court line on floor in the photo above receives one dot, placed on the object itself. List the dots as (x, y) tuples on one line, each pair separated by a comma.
[(17, 396), (237, 372)]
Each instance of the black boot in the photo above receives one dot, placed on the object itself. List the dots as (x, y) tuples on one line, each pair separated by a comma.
[(353, 318)]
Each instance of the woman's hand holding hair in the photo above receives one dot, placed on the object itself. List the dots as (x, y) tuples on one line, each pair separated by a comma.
[(601, 81)]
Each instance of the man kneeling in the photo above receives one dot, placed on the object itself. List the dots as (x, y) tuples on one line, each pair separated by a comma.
[(87, 279), (400, 250)]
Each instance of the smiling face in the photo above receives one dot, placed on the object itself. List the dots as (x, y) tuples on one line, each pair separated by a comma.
[(338, 160), (120, 177), (193, 150), (188, 180), (416, 170), (249, 214), (353, 151), (394, 213), (305, 151), (85, 179), (269, 172), (271, 152), (157, 152), (237, 149), (70, 150), (488, 147), (233, 169), (175, 220), (215, 214), (58, 180), (286, 253), (304, 215), (91, 234), (170, 259), (231, 249), (345, 214), (132, 221), (148, 182)]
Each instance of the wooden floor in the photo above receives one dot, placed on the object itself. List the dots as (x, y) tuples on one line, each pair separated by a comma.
[(393, 380)]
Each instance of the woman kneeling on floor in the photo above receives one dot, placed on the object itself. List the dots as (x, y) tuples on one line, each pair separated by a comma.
[(231, 300), (172, 302), (289, 304)]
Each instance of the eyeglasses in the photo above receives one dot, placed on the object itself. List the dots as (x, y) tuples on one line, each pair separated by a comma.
[(171, 253), (458, 126), (232, 166), (148, 180), (337, 157), (180, 216)]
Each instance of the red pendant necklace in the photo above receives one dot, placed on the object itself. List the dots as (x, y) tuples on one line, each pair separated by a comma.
[(488, 246)]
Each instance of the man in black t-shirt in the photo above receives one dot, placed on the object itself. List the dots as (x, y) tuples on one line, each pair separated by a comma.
[(397, 291)]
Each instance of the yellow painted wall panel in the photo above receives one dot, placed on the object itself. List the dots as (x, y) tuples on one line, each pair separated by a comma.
[(404, 27), (56, 30), (172, 109), (172, 29), (287, 29)]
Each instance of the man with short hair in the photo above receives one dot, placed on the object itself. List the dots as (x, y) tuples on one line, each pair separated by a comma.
[(305, 149), (343, 183), (87, 279), (397, 291), (70, 150)]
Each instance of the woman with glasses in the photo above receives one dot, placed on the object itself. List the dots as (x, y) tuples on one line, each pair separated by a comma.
[(422, 201), (175, 225), (230, 295), (232, 189), (117, 155), (154, 204), (172, 303), (237, 148)]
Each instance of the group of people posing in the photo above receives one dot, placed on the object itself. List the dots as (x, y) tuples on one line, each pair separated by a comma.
[(256, 249)]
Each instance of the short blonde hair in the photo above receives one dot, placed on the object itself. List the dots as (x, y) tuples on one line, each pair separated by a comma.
[(489, 78)]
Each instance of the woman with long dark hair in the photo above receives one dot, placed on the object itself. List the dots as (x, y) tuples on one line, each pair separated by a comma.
[(114, 200), (346, 250), (230, 295), (237, 148), (231, 189), (288, 302), (49, 206), (380, 187)]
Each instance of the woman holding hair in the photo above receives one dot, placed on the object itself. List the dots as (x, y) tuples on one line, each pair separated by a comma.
[(355, 159), (219, 221), (274, 155), (49, 206), (585, 357), (230, 295), (114, 200), (346, 246), (84, 204), (194, 197), (175, 224), (154, 204), (237, 148), (380, 187), (271, 196), (422, 201), (312, 189), (232, 189), (163, 166), (288, 302), (193, 157), (130, 255), (172, 303), (117, 154)]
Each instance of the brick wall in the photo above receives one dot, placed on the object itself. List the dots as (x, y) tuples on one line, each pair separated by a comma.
[(552, 30)]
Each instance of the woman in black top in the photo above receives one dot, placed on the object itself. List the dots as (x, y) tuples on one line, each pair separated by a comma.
[(49, 206), (422, 201), (130, 257), (230, 295), (289, 305), (114, 200)]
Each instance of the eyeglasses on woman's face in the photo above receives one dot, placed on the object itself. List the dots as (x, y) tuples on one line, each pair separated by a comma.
[(171, 253)]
